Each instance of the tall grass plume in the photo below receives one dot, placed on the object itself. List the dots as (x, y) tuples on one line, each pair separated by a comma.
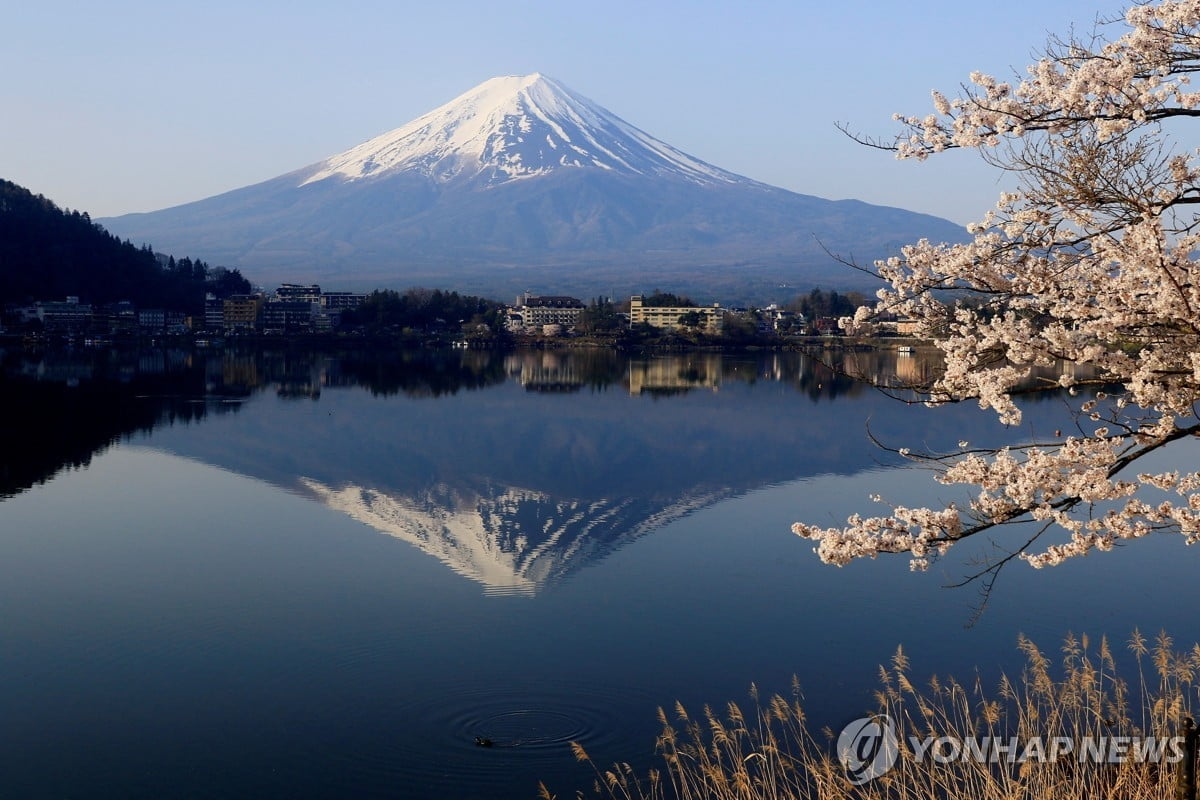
[(768, 751)]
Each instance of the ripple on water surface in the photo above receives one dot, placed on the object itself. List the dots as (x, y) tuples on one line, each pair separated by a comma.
[(530, 725)]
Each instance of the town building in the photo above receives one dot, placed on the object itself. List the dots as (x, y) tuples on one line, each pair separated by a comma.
[(152, 319), (118, 318), (214, 313), (288, 316), (325, 321), (712, 317), (341, 301), (321, 311), (242, 312), (299, 293), (67, 315), (782, 321), (514, 322), (535, 312)]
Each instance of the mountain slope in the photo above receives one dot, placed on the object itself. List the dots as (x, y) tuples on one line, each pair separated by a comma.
[(520, 180), (48, 253)]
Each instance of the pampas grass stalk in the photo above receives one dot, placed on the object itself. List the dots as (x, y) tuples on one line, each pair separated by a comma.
[(769, 752)]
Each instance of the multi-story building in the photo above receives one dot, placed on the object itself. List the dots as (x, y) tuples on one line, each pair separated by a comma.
[(242, 312), (287, 316), (536, 311), (340, 301), (326, 320), (152, 319), (118, 318), (176, 322), (69, 315), (711, 317), (299, 293), (214, 313)]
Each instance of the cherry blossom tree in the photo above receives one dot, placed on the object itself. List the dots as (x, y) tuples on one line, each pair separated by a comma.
[(1092, 261)]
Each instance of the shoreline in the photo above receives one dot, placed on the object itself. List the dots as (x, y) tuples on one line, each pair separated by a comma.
[(395, 342)]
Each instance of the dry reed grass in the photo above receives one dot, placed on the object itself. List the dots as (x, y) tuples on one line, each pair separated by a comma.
[(771, 754)]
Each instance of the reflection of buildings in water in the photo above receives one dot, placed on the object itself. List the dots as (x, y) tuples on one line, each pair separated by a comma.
[(675, 373), (914, 370), (547, 371), (330, 374), (293, 388), (1067, 369), (152, 362), (72, 367), (510, 540), (864, 366), (240, 371), (892, 369), (297, 378), (776, 370), (293, 376), (917, 368), (58, 370)]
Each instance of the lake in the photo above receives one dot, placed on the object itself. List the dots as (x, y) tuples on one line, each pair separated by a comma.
[(275, 573)]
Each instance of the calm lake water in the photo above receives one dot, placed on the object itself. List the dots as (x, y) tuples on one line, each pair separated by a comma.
[(280, 574)]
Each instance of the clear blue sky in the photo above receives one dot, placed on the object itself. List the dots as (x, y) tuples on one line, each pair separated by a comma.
[(134, 106)]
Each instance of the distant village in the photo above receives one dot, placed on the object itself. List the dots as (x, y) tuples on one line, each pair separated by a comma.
[(291, 308), (305, 309)]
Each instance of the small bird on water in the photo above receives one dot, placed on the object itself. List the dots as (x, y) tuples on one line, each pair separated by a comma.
[(482, 742)]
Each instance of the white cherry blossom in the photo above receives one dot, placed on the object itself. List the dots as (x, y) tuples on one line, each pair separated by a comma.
[(1092, 261)]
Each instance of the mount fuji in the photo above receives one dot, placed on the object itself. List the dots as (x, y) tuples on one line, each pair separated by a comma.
[(521, 182)]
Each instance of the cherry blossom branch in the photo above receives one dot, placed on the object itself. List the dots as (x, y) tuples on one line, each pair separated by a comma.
[(1091, 263)]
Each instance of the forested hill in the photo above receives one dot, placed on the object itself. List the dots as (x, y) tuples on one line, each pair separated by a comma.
[(47, 253)]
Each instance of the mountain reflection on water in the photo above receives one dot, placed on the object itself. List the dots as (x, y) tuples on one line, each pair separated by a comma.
[(503, 479), (513, 469)]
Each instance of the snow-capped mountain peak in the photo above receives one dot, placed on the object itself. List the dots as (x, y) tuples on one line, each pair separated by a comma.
[(521, 182), (515, 127)]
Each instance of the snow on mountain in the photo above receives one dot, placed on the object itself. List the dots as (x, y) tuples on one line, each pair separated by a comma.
[(515, 127), (510, 540), (521, 183)]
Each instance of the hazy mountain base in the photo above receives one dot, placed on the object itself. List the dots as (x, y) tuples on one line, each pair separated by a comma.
[(577, 232), (738, 285)]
